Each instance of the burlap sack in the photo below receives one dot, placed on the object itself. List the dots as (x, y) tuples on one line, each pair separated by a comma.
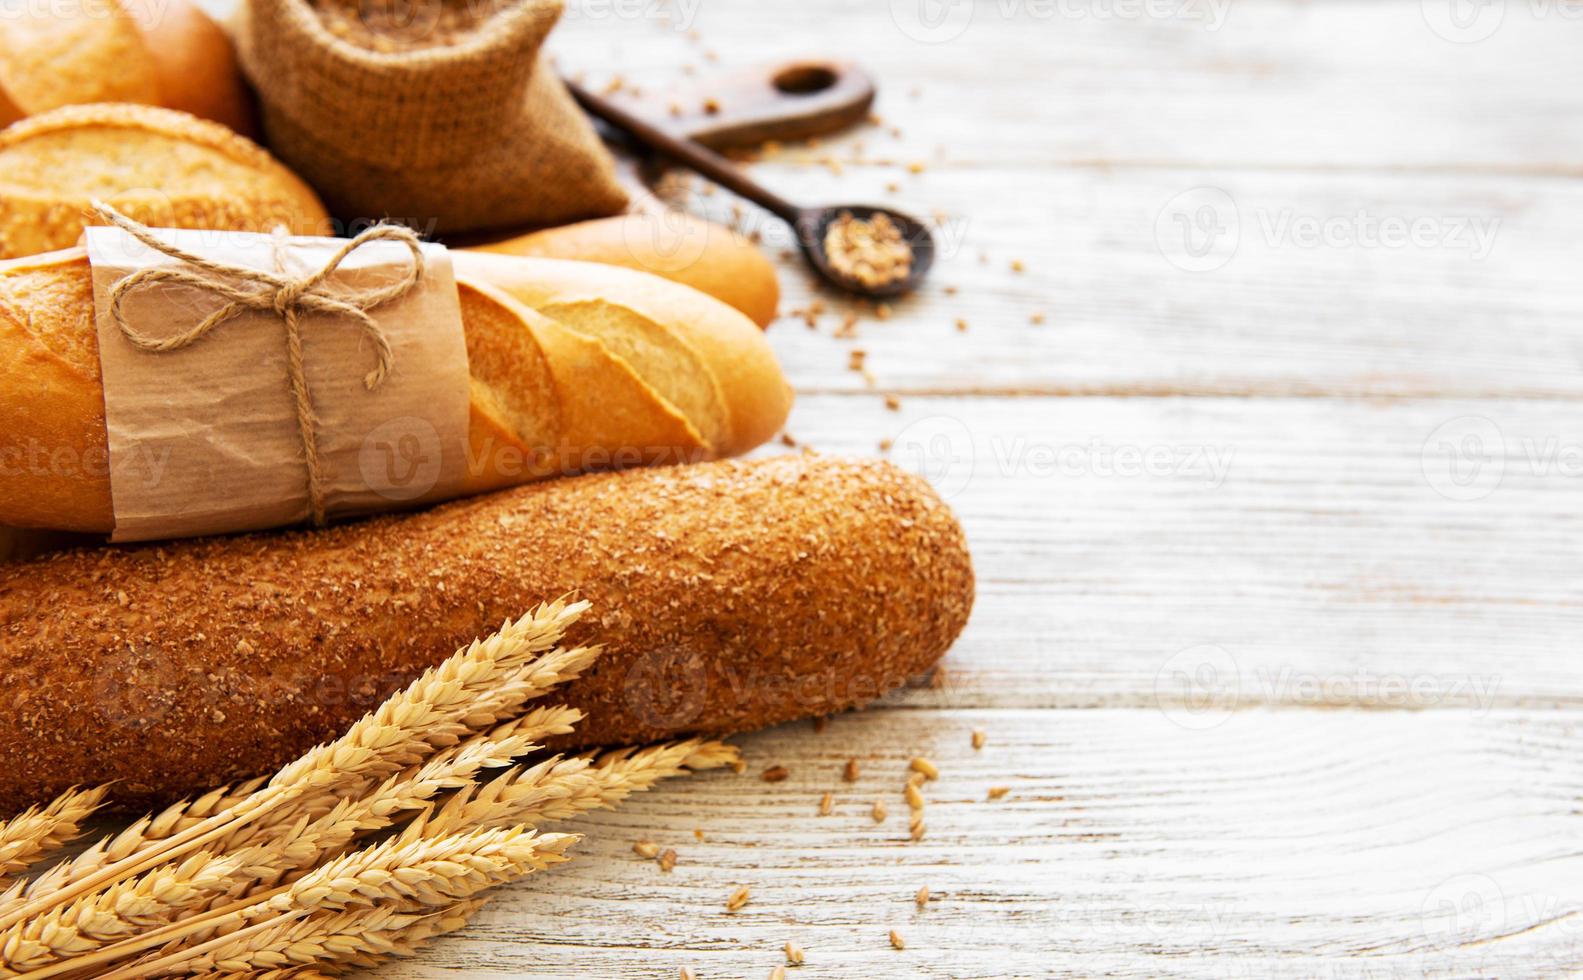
[(447, 138)]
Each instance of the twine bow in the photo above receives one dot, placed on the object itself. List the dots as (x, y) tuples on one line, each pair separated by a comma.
[(287, 297)]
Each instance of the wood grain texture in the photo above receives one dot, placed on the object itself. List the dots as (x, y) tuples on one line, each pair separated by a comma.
[(1277, 844)]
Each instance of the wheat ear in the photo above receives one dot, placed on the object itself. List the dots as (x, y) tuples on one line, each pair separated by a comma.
[(122, 910), (141, 833), (311, 841), (301, 845), (558, 789), (31, 835), (431, 873), (462, 694)]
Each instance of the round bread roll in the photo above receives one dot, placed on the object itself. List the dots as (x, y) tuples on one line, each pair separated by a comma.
[(152, 52), (727, 596), (164, 168)]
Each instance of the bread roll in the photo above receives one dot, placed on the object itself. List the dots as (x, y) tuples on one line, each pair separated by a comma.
[(710, 258), (728, 596), (164, 168), (152, 52), (613, 368)]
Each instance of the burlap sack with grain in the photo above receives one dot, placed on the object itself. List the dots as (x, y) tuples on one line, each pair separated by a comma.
[(447, 138)]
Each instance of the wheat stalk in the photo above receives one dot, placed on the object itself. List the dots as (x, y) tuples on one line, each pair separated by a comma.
[(472, 689), (31, 835), (430, 873), (558, 789), (141, 833), (300, 845), (123, 910)]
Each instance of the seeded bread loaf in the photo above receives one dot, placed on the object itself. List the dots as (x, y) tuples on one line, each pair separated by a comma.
[(164, 168), (728, 596), (608, 368)]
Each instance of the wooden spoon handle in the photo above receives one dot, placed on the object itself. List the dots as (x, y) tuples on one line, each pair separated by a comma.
[(700, 158), (785, 101)]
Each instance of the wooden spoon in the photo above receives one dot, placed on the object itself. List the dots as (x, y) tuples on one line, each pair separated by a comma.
[(809, 224)]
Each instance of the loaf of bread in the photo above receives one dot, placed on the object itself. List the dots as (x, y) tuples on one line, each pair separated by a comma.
[(164, 168), (710, 258), (727, 595), (608, 368), (153, 52)]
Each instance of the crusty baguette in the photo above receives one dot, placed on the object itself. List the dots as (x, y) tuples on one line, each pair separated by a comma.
[(611, 368), (162, 167), (710, 258), (728, 596)]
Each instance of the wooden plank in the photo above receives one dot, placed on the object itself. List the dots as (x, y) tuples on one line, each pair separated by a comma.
[(1312, 551), (1281, 844), (1198, 83), (1366, 230), (1488, 304)]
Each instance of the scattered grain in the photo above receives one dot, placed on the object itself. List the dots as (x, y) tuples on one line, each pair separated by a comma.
[(712, 107), (914, 797), (1016, 265), (896, 940), (794, 953), (996, 792), (826, 804), (878, 812), (850, 771), (978, 738), (779, 973), (922, 898), (855, 358), (882, 311), (961, 325), (698, 835), (1036, 318), (925, 767), (893, 403), (646, 849), (775, 774), (668, 860), (916, 167), (738, 899)]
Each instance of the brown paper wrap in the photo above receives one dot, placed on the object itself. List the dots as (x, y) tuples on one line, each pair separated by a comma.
[(205, 439)]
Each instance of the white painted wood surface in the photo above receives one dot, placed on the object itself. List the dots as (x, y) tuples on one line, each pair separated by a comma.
[(1291, 691)]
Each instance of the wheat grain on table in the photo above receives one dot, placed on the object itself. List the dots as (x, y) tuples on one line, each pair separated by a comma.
[(1279, 528)]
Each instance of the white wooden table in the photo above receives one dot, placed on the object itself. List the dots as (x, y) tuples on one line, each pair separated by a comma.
[(1277, 516)]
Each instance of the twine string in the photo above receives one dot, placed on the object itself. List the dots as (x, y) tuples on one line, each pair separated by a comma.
[(286, 297)]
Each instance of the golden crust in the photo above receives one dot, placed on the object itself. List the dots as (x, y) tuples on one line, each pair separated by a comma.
[(710, 258), (158, 165), (728, 595)]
